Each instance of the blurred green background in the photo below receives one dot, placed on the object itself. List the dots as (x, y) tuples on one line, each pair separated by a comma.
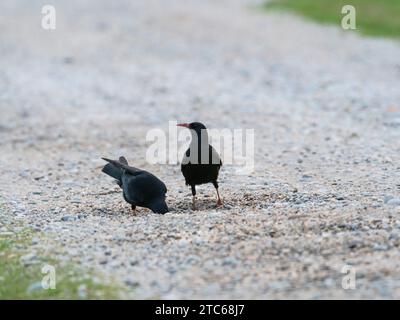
[(374, 17)]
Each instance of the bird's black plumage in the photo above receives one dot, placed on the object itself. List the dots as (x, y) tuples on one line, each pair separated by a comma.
[(139, 187), (201, 162)]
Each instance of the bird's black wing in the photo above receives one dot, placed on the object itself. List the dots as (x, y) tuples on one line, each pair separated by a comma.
[(142, 188), (131, 189)]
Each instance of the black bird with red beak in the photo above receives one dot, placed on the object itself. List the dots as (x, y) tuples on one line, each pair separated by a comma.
[(201, 163)]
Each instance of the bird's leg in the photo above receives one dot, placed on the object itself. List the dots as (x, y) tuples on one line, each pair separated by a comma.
[(219, 201), (194, 197), (134, 208), (194, 203)]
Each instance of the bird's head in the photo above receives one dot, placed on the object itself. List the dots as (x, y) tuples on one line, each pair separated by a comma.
[(159, 206), (197, 127)]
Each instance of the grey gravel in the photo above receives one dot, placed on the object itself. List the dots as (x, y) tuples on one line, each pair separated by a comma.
[(29, 259), (394, 202), (323, 104), (68, 218)]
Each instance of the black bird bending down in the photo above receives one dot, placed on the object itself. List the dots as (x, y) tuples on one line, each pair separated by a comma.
[(139, 188), (201, 163)]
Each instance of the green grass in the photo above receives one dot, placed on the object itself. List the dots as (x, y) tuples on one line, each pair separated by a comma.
[(18, 281), (23, 281), (374, 17)]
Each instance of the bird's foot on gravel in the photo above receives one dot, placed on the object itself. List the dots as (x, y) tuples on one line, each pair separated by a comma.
[(134, 208), (219, 202), (194, 203)]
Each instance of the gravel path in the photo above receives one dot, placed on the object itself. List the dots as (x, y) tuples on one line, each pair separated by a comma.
[(325, 106)]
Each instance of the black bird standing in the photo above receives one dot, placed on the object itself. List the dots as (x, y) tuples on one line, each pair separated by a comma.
[(201, 163), (139, 187)]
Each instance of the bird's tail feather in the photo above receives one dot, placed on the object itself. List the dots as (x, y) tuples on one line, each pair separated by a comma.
[(122, 164), (112, 171)]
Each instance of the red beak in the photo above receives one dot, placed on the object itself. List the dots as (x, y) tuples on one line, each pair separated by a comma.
[(185, 125)]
